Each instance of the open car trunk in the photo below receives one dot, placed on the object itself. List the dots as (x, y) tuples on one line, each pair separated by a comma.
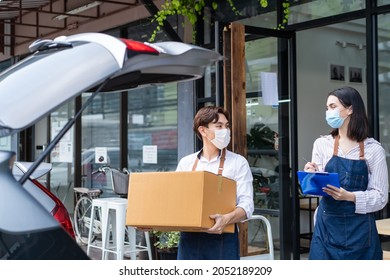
[(57, 71), (65, 67)]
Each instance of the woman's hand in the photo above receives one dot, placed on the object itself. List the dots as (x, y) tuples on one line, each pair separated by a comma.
[(311, 167), (339, 193)]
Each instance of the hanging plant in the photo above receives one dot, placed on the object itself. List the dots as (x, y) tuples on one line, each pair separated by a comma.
[(286, 14), (192, 9)]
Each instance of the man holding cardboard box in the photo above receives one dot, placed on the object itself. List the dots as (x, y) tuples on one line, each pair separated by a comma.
[(211, 125)]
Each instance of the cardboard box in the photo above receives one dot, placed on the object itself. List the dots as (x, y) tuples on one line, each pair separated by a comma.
[(180, 201)]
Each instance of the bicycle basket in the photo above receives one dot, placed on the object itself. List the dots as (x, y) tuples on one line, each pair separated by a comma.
[(121, 182)]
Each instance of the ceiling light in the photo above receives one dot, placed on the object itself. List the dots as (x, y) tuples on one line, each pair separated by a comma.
[(78, 10)]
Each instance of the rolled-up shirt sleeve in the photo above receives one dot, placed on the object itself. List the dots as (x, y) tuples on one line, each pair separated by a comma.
[(376, 196), (244, 181)]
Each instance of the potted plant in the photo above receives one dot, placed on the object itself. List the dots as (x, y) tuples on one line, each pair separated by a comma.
[(167, 244)]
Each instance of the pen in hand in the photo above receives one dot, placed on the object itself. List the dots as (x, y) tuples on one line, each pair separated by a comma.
[(310, 166)]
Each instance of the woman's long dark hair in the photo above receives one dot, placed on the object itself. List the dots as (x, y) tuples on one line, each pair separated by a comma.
[(358, 124)]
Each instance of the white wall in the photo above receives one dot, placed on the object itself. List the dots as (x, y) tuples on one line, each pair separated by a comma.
[(316, 50)]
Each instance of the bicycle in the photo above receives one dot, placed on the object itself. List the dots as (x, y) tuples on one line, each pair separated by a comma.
[(82, 215), (82, 222)]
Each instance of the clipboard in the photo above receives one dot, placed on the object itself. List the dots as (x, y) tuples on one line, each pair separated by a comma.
[(313, 182)]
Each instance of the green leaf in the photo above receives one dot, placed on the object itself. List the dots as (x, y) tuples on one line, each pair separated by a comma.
[(197, 7), (191, 9), (263, 3)]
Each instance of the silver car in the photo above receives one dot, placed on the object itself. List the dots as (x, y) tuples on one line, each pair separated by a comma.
[(57, 71)]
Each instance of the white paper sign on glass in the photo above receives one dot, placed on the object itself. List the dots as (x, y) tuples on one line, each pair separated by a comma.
[(269, 88), (149, 154), (100, 155)]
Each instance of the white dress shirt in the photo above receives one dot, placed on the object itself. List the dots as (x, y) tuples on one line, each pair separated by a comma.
[(376, 195), (236, 167)]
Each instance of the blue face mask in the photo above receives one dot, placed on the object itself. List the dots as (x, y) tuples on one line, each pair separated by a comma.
[(333, 118)]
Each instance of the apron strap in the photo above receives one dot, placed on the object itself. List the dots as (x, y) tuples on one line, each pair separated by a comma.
[(336, 147), (195, 164), (361, 155), (221, 162)]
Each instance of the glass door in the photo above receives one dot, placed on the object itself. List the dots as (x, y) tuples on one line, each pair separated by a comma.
[(61, 177), (270, 130), (263, 122), (383, 49)]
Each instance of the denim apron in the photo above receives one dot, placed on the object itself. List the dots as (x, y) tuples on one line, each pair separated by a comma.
[(205, 246), (340, 233)]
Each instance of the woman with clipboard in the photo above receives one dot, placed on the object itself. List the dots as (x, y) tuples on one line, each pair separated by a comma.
[(345, 222)]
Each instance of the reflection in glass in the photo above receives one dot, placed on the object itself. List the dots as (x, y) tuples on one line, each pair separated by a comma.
[(100, 140), (299, 11), (61, 175), (318, 9), (249, 11), (152, 128), (384, 82), (383, 2), (262, 123)]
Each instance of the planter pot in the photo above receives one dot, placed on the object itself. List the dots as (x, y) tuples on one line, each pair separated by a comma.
[(167, 254)]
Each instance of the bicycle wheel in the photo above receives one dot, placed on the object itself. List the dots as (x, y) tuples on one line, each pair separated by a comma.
[(82, 221)]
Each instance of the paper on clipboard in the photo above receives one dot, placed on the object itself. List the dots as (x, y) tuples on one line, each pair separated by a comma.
[(313, 182)]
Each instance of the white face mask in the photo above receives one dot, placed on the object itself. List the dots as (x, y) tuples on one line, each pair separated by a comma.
[(222, 138)]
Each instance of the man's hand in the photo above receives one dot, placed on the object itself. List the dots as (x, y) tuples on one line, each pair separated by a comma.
[(221, 221)]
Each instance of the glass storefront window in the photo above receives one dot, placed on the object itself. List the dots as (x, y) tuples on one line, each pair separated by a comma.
[(142, 30), (249, 11), (318, 9), (298, 12), (209, 83), (152, 132), (100, 139), (61, 157), (5, 64), (5, 143), (384, 82), (262, 122), (383, 2)]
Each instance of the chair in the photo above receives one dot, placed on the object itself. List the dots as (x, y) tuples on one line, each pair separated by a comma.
[(267, 256)]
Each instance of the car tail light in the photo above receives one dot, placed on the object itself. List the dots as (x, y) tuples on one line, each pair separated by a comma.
[(59, 212), (136, 47), (62, 216)]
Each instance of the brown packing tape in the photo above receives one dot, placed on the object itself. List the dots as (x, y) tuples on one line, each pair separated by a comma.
[(219, 183)]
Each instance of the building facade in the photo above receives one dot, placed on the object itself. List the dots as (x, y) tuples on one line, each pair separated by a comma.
[(276, 91)]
